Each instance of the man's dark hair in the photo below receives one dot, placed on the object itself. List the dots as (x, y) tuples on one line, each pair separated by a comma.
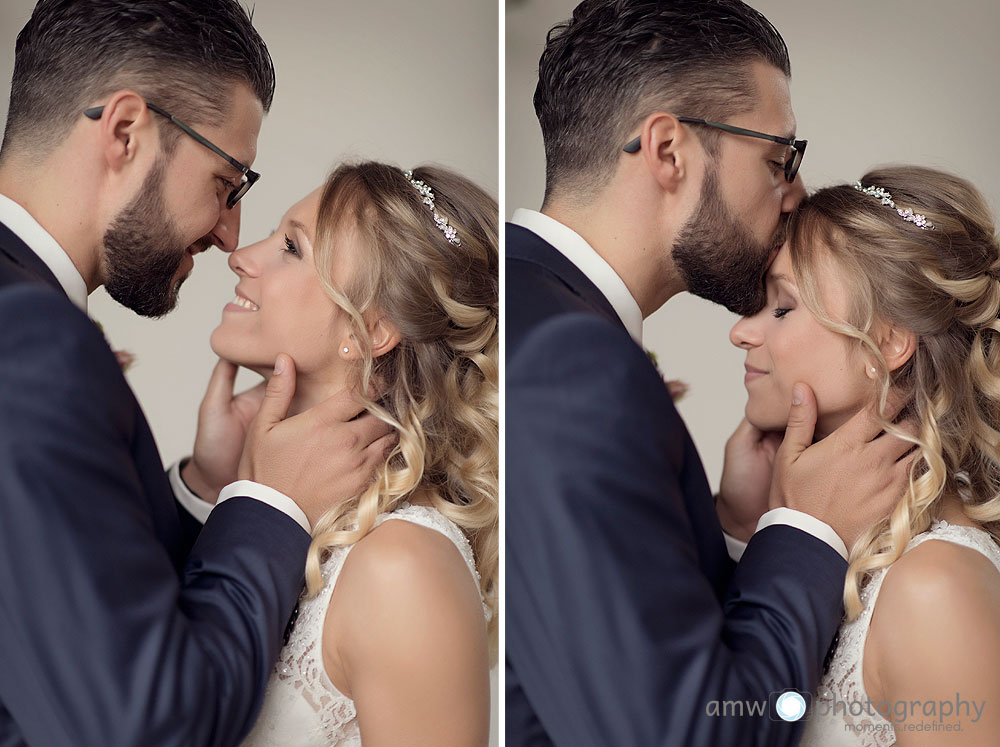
[(616, 61), (185, 56)]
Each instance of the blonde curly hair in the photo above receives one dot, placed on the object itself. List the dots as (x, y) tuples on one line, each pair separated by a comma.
[(438, 388), (944, 286)]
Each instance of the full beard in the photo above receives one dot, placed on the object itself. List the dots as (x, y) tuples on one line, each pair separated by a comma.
[(719, 259), (143, 252)]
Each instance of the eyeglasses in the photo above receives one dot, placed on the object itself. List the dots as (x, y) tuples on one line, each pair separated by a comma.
[(792, 162), (247, 175)]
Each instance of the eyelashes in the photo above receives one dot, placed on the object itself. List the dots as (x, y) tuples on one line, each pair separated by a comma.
[(779, 312), (290, 247)]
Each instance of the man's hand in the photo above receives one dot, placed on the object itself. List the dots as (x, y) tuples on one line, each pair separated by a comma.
[(318, 458), (223, 420), (851, 479), (745, 487)]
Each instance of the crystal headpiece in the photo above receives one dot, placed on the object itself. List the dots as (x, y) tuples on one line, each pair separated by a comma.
[(908, 215), (439, 220)]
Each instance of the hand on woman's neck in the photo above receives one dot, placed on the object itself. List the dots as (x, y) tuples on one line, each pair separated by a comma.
[(311, 389)]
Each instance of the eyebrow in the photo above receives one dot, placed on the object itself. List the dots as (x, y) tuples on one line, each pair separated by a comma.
[(775, 277), (299, 225)]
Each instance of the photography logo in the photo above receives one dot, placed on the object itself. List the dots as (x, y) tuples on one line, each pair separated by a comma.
[(789, 705)]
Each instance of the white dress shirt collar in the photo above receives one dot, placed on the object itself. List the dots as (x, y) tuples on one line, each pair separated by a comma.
[(40, 241), (576, 249)]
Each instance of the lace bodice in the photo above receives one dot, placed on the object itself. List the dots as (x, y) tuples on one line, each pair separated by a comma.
[(302, 707), (841, 715)]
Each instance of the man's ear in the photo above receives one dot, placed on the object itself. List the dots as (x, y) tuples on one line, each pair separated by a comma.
[(125, 125), (665, 149)]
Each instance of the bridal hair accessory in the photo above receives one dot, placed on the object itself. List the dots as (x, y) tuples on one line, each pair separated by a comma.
[(439, 220), (908, 215)]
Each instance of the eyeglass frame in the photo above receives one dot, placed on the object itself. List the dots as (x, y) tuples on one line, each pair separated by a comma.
[(247, 175), (791, 165)]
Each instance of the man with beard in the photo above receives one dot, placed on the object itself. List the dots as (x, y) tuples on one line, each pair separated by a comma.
[(128, 145), (671, 165)]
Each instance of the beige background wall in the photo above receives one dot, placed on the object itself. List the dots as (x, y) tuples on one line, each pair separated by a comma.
[(408, 83), (893, 81)]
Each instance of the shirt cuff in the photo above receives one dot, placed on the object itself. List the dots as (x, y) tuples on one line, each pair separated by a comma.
[(198, 508), (267, 495), (734, 547), (808, 524)]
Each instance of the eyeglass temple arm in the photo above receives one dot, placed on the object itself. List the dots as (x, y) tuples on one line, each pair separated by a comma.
[(740, 131), (96, 112), (634, 145)]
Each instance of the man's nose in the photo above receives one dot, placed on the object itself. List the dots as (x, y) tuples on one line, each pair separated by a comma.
[(795, 192), (226, 232)]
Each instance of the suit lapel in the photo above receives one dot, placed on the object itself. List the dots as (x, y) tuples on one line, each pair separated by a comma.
[(527, 246), (19, 254)]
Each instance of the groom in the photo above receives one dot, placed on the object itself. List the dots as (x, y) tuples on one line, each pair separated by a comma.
[(626, 619), (131, 132)]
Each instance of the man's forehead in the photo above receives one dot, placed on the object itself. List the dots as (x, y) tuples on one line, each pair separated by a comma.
[(238, 132), (774, 100)]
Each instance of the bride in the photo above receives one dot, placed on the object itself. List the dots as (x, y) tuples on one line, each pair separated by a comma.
[(388, 280), (889, 290)]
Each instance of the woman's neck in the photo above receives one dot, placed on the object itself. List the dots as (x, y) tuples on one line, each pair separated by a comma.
[(950, 509), (311, 389)]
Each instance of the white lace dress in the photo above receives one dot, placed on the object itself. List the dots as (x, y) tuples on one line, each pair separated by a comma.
[(302, 708), (841, 714)]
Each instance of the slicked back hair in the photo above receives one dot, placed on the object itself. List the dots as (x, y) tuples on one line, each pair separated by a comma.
[(616, 61), (185, 56)]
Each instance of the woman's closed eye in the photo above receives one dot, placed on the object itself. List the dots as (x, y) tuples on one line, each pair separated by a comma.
[(779, 312), (290, 248)]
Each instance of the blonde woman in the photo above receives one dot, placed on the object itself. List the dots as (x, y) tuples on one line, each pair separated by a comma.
[(387, 280), (889, 291)]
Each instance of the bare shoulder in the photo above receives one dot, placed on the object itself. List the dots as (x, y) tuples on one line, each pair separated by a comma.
[(406, 626), (410, 561), (940, 600), (939, 577), (402, 571)]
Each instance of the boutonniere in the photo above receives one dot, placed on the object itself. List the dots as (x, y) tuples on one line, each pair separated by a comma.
[(676, 387), (125, 359)]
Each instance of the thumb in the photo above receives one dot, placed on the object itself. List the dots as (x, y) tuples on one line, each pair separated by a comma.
[(801, 423), (278, 394)]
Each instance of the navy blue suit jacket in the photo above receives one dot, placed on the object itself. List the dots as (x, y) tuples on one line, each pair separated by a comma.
[(625, 619), (120, 624)]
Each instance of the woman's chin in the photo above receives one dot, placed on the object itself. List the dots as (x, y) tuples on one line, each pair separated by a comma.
[(766, 421), (235, 355)]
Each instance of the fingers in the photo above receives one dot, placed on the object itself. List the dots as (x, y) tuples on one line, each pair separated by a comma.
[(746, 431), (893, 446), (801, 422), (770, 441), (868, 423), (746, 437), (340, 408), (370, 429), (220, 385), (379, 449), (254, 394), (278, 394)]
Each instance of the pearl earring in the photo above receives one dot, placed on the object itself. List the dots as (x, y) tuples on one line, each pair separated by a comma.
[(347, 351), (871, 370)]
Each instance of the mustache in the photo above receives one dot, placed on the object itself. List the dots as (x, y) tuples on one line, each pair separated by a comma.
[(204, 243)]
